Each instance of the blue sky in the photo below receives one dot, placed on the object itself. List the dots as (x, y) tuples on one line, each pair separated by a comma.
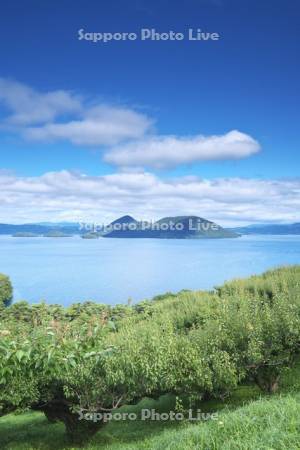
[(92, 130)]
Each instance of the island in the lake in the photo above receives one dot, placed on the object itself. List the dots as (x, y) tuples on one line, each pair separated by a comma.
[(25, 234), (91, 235), (57, 234), (178, 227)]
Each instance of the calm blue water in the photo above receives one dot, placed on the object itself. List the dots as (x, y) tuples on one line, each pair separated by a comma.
[(65, 270)]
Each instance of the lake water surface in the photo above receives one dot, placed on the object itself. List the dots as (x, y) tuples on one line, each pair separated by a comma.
[(67, 270)]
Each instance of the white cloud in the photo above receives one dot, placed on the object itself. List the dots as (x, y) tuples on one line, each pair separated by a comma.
[(168, 151), (62, 115), (126, 134), (28, 106), (69, 196), (101, 125)]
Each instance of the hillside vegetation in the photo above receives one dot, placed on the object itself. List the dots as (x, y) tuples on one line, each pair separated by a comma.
[(193, 350)]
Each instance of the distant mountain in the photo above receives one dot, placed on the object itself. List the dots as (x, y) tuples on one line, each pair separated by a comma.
[(293, 228), (179, 227), (123, 227), (38, 229), (124, 220)]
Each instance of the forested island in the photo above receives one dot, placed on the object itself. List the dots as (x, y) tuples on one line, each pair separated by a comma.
[(178, 227)]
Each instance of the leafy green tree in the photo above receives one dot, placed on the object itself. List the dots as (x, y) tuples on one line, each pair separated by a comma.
[(261, 322), (6, 290)]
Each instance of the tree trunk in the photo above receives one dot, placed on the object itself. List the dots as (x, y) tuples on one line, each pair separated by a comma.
[(267, 380), (78, 431)]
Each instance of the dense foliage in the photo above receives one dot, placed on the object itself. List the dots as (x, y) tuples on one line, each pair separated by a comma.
[(97, 358), (6, 291)]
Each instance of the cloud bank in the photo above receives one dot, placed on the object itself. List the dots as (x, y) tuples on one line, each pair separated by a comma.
[(71, 196)]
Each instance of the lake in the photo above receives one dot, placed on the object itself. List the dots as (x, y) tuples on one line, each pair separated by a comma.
[(67, 270)]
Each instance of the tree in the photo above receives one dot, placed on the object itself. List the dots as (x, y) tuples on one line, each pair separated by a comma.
[(6, 290)]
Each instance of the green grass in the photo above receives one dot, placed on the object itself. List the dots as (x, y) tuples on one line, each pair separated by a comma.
[(269, 423), (245, 421)]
